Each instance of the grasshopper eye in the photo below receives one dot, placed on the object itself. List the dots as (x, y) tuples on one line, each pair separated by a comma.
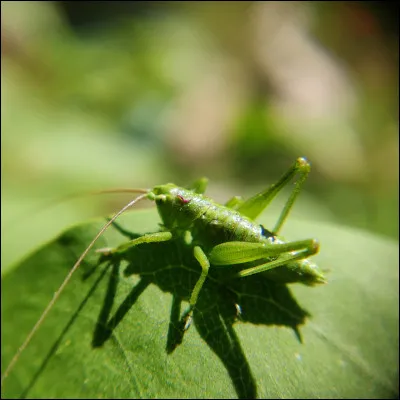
[(182, 199)]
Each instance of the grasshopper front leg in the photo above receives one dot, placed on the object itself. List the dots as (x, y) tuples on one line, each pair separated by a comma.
[(149, 238)]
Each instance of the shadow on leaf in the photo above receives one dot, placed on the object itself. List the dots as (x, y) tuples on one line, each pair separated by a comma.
[(170, 266), (222, 303)]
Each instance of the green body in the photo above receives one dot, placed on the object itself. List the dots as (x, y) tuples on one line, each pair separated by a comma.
[(212, 224), (227, 235), (209, 222)]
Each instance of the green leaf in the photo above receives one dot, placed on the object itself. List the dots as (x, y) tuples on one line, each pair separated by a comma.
[(113, 333)]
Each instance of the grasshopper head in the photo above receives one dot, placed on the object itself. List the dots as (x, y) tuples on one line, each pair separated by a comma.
[(160, 191), (173, 205)]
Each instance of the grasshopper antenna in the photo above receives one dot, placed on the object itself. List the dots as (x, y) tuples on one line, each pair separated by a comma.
[(66, 280), (52, 203)]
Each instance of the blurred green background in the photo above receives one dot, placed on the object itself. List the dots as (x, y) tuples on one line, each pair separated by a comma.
[(133, 94)]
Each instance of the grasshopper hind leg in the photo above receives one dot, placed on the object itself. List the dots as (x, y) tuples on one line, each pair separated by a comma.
[(292, 254), (254, 206)]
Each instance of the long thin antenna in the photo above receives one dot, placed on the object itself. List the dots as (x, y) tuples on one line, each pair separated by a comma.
[(61, 288), (55, 202), (115, 190)]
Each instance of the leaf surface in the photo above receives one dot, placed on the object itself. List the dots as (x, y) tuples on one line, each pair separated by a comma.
[(113, 333)]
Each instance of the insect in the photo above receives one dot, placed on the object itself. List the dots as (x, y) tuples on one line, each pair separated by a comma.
[(220, 236)]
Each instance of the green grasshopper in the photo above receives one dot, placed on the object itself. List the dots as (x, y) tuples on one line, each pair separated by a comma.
[(221, 236)]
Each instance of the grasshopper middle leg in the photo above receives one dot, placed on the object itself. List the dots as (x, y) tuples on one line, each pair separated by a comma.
[(205, 266)]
